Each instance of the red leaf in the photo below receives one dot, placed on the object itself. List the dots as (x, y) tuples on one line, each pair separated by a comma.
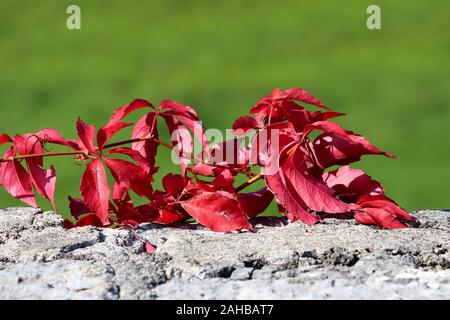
[(4, 138), (224, 180), (135, 155), (127, 214), (381, 217), (130, 223), (86, 133), (125, 110), (363, 142), (119, 191), (29, 144), (326, 126), (313, 191), (78, 207), (173, 184), (290, 200), (298, 94), (203, 169), (175, 108), (82, 214), (350, 184), (183, 144), (300, 117), (44, 180), (262, 145), (332, 149), (217, 212), (244, 124), (271, 106), (228, 153), (169, 217), (114, 125), (382, 201), (383, 212), (87, 220), (149, 248), (187, 116), (146, 127), (16, 181), (364, 218), (195, 189), (95, 190), (105, 133), (254, 203), (130, 176), (53, 136)]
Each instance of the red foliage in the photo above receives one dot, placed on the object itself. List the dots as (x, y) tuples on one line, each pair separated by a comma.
[(206, 190)]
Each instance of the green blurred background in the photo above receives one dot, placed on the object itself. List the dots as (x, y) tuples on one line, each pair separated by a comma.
[(221, 57)]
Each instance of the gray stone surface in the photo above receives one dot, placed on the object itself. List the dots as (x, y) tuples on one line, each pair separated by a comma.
[(334, 260)]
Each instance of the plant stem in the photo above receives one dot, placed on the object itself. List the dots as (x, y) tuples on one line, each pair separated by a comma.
[(120, 143), (46, 154), (163, 143), (85, 152), (249, 182)]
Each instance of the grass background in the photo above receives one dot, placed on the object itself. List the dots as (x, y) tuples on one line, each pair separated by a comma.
[(220, 57)]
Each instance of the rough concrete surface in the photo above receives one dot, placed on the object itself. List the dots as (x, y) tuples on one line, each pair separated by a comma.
[(337, 259)]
